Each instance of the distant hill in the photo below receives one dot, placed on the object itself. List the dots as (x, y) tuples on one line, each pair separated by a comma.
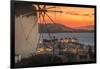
[(55, 28), (88, 27)]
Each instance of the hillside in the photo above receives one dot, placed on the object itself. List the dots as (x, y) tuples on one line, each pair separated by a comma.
[(88, 27), (55, 28)]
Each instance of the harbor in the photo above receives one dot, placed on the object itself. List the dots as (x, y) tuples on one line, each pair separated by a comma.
[(65, 46), (57, 51)]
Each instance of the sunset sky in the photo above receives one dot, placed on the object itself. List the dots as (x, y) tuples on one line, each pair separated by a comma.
[(71, 16)]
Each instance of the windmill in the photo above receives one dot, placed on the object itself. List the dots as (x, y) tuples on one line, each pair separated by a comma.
[(25, 36)]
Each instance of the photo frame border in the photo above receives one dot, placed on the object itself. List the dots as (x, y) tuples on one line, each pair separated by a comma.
[(12, 31)]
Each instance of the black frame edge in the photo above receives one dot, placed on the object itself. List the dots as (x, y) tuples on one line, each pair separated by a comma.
[(12, 30), (12, 33)]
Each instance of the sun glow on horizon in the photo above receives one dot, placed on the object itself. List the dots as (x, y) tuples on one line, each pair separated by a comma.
[(70, 16)]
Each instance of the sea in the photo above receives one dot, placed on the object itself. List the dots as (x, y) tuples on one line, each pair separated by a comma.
[(87, 38)]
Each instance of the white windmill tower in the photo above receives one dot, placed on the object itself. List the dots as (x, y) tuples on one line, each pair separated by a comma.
[(26, 29)]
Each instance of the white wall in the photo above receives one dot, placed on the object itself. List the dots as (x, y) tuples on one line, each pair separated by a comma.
[(5, 34)]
